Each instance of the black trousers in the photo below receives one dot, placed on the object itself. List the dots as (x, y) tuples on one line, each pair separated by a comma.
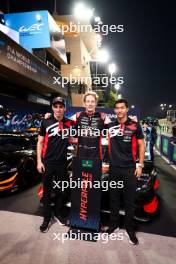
[(127, 192), (56, 172)]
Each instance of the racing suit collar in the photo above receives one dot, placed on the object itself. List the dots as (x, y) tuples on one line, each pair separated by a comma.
[(125, 123), (61, 120), (90, 114)]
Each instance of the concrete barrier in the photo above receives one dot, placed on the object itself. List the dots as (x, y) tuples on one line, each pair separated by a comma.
[(166, 145)]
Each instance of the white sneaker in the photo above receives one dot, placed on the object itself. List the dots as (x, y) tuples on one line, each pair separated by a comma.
[(132, 238), (59, 221)]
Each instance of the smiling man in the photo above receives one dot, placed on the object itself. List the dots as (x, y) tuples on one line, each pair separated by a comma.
[(89, 144), (85, 210), (52, 158), (126, 143)]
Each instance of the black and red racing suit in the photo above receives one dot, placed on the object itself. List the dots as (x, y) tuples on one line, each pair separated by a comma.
[(123, 150), (89, 132), (54, 156)]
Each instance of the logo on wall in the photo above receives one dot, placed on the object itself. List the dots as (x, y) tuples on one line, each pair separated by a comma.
[(34, 29), (11, 121)]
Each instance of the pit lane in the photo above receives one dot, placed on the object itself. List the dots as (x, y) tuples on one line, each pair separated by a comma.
[(27, 202)]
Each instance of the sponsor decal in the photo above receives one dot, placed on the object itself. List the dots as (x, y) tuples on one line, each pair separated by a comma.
[(87, 163), (86, 178)]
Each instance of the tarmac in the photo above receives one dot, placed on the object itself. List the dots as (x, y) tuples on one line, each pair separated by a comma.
[(21, 242)]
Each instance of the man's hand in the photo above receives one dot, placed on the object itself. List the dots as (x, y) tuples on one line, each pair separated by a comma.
[(47, 115), (107, 120), (138, 172), (133, 118), (40, 167)]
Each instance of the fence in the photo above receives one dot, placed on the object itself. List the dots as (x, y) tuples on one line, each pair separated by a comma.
[(166, 145)]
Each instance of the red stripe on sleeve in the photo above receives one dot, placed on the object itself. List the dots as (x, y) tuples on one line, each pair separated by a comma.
[(45, 145), (134, 147)]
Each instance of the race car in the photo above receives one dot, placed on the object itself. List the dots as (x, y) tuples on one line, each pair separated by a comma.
[(17, 161), (146, 201)]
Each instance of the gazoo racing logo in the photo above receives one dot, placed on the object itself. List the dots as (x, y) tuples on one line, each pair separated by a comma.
[(34, 29), (56, 130)]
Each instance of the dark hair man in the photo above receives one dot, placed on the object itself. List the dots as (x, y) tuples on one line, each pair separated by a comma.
[(52, 157), (125, 142)]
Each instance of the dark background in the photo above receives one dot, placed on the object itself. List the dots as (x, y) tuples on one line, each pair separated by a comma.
[(144, 52)]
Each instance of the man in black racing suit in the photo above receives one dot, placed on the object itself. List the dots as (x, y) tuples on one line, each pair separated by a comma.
[(52, 159), (89, 126), (126, 142)]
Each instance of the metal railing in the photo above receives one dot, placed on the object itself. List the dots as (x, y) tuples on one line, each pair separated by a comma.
[(51, 66), (171, 116)]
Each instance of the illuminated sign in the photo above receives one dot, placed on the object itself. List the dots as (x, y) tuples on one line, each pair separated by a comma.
[(37, 29), (33, 28)]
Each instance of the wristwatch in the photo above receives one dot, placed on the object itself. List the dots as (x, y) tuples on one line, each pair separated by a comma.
[(139, 165)]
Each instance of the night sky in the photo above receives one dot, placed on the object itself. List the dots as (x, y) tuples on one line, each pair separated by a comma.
[(144, 52)]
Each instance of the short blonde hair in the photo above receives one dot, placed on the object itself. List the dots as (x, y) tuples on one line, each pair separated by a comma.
[(95, 95)]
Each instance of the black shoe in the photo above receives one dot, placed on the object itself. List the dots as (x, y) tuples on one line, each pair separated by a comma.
[(112, 229), (45, 226), (132, 237), (60, 220)]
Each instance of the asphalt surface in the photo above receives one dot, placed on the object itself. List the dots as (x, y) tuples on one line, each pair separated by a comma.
[(164, 223)]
